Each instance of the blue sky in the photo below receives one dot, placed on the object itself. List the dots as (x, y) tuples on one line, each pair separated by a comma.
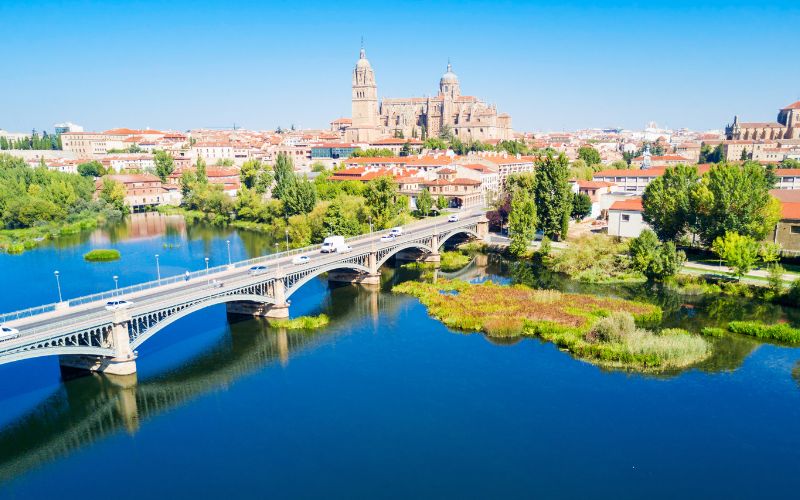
[(551, 65)]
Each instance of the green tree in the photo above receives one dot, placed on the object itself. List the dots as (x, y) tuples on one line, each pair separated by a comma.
[(740, 252), (667, 202), (165, 165), (300, 197), (434, 143), (337, 220), (553, 195), (380, 198), (201, 174), (255, 175), (284, 175), (769, 252), (446, 132), (406, 149), (581, 206), (521, 221), (424, 202), (441, 202), (113, 193), (92, 169), (655, 260), (590, 155), (734, 199), (187, 182)]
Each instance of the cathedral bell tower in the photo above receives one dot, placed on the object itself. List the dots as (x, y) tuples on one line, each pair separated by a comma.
[(365, 102)]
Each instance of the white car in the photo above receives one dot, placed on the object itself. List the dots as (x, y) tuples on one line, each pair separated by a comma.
[(216, 284), (257, 270), (453, 218), (300, 259), (113, 305), (388, 237), (396, 231), (8, 333)]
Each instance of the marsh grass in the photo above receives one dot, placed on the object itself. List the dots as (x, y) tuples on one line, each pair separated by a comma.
[(102, 255), (780, 332), (301, 322), (605, 331)]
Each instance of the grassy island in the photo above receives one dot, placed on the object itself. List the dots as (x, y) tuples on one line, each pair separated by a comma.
[(301, 322), (450, 261), (102, 255), (601, 330)]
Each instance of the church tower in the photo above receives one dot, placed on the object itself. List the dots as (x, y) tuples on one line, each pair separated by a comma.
[(448, 84), (365, 102)]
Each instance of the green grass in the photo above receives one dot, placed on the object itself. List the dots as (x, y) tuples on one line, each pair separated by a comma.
[(571, 321), (780, 332), (301, 322), (102, 255)]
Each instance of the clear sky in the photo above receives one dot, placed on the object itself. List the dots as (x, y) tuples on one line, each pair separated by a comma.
[(193, 63)]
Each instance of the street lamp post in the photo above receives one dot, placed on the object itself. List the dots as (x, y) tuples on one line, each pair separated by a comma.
[(116, 283), (228, 242), (58, 285), (158, 269), (370, 225), (206, 269), (287, 239), (277, 247)]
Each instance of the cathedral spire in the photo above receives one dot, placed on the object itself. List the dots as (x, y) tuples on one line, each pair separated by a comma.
[(363, 53)]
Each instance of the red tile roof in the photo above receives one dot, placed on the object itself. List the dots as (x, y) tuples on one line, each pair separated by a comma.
[(794, 105), (633, 204)]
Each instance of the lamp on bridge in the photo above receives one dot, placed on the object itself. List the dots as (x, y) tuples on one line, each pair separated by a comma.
[(158, 269), (228, 242), (287, 239), (206, 268), (116, 282), (58, 285)]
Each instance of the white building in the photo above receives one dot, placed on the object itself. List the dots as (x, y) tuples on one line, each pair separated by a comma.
[(62, 128), (625, 218)]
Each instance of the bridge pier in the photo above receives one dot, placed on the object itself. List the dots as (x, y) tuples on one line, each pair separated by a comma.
[(277, 310), (373, 277), (124, 360)]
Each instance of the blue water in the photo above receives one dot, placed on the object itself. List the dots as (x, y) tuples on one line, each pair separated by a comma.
[(388, 403)]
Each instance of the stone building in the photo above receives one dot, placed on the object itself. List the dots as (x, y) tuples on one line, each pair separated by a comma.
[(786, 127), (467, 116)]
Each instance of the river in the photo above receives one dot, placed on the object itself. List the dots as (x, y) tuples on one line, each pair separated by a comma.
[(385, 401)]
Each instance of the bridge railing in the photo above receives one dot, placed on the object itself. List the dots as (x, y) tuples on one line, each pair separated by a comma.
[(110, 294)]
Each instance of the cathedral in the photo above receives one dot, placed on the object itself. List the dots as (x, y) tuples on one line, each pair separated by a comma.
[(786, 127), (468, 117)]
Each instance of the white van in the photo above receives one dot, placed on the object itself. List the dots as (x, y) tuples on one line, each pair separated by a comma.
[(335, 244)]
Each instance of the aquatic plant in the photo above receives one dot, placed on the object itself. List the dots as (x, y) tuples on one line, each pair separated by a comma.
[(602, 330), (780, 332), (101, 255), (301, 322)]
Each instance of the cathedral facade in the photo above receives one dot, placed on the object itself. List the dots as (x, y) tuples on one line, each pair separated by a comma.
[(786, 127), (468, 117)]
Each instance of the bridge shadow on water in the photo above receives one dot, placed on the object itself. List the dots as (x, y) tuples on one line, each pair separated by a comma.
[(88, 408)]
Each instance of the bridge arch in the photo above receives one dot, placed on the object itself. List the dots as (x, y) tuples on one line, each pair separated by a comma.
[(462, 230), (186, 311), (323, 269), (404, 246)]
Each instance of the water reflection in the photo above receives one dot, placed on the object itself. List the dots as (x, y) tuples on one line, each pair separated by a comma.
[(89, 408)]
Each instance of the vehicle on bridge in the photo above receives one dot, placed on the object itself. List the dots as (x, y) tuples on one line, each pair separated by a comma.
[(453, 218), (216, 284), (335, 244), (255, 270), (396, 231), (301, 259), (113, 305), (388, 237), (8, 333)]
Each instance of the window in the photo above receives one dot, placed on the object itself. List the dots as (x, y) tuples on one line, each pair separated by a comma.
[(625, 218), (795, 229)]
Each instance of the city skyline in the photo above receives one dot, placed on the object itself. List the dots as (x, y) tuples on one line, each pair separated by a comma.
[(262, 66)]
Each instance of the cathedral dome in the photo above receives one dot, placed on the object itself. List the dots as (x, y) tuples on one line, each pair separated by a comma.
[(449, 77)]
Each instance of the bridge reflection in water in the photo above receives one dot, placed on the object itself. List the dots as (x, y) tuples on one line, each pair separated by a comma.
[(94, 406)]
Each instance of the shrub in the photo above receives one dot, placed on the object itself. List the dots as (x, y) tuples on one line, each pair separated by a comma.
[(781, 332), (102, 255), (612, 328)]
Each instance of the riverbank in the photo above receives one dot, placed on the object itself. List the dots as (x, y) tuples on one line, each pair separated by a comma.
[(608, 332), (16, 241)]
